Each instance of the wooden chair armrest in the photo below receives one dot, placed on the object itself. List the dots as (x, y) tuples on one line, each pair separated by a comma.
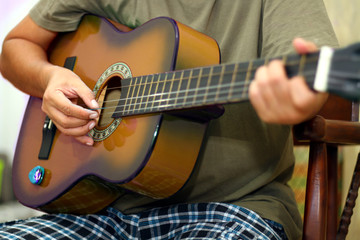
[(319, 129)]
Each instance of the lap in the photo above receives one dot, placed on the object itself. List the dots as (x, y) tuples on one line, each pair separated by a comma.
[(182, 221)]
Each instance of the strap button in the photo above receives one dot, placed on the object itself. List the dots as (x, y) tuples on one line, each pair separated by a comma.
[(36, 175)]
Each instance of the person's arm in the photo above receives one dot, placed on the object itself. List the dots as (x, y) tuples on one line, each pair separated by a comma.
[(278, 99), (24, 63)]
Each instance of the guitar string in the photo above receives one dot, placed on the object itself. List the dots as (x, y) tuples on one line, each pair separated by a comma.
[(179, 91), (183, 91), (240, 71), (153, 96), (133, 106), (137, 107), (223, 90)]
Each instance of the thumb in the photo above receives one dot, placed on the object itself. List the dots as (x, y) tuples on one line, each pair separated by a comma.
[(87, 96)]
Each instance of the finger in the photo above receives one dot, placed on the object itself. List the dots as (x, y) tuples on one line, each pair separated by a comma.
[(66, 121), (63, 93), (73, 87), (68, 108), (306, 102), (273, 103), (85, 140), (86, 95), (279, 83), (302, 46), (273, 83), (277, 78), (259, 93), (76, 131)]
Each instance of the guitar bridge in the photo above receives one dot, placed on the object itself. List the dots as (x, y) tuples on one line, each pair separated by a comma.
[(49, 130)]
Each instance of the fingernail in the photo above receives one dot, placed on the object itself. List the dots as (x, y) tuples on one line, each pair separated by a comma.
[(93, 116), (94, 104), (89, 143), (92, 125)]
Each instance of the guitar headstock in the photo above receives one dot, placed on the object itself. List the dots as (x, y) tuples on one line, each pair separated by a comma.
[(344, 72)]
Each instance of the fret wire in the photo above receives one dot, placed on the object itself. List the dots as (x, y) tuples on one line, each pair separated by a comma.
[(240, 84), (247, 78), (180, 82), (224, 89), (163, 89), (130, 98), (220, 82), (136, 89), (178, 91), (197, 85), (203, 83), (309, 60), (234, 100), (284, 59), (143, 92), (224, 100), (151, 85), (199, 103), (158, 94), (216, 87), (302, 64), (193, 84), (214, 83), (227, 80), (212, 87), (234, 74), (188, 85), (266, 61), (313, 58), (295, 62), (127, 94), (176, 79), (137, 94), (171, 86), (156, 90), (208, 83)]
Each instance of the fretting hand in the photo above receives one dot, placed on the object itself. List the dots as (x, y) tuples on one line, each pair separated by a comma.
[(278, 99)]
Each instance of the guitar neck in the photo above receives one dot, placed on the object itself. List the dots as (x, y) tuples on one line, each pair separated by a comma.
[(203, 86)]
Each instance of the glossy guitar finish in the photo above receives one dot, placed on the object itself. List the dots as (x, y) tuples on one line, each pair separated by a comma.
[(151, 154), (137, 146)]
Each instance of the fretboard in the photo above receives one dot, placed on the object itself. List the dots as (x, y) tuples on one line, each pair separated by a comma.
[(190, 88)]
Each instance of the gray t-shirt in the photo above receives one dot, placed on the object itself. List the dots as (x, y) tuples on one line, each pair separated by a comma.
[(244, 161)]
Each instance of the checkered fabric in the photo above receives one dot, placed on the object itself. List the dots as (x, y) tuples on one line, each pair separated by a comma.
[(183, 221)]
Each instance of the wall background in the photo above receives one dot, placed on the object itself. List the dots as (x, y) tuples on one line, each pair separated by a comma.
[(12, 101), (343, 15)]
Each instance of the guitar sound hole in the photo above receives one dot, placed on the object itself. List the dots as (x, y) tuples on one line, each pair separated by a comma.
[(108, 100)]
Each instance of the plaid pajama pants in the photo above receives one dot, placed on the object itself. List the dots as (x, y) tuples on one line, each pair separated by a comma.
[(182, 221)]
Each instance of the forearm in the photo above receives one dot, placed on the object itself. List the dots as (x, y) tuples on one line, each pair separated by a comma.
[(24, 59), (25, 65)]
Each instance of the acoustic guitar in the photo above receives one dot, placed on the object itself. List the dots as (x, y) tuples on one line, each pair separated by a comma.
[(158, 86)]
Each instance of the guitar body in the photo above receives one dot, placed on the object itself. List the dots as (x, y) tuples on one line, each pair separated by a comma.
[(152, 154)]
